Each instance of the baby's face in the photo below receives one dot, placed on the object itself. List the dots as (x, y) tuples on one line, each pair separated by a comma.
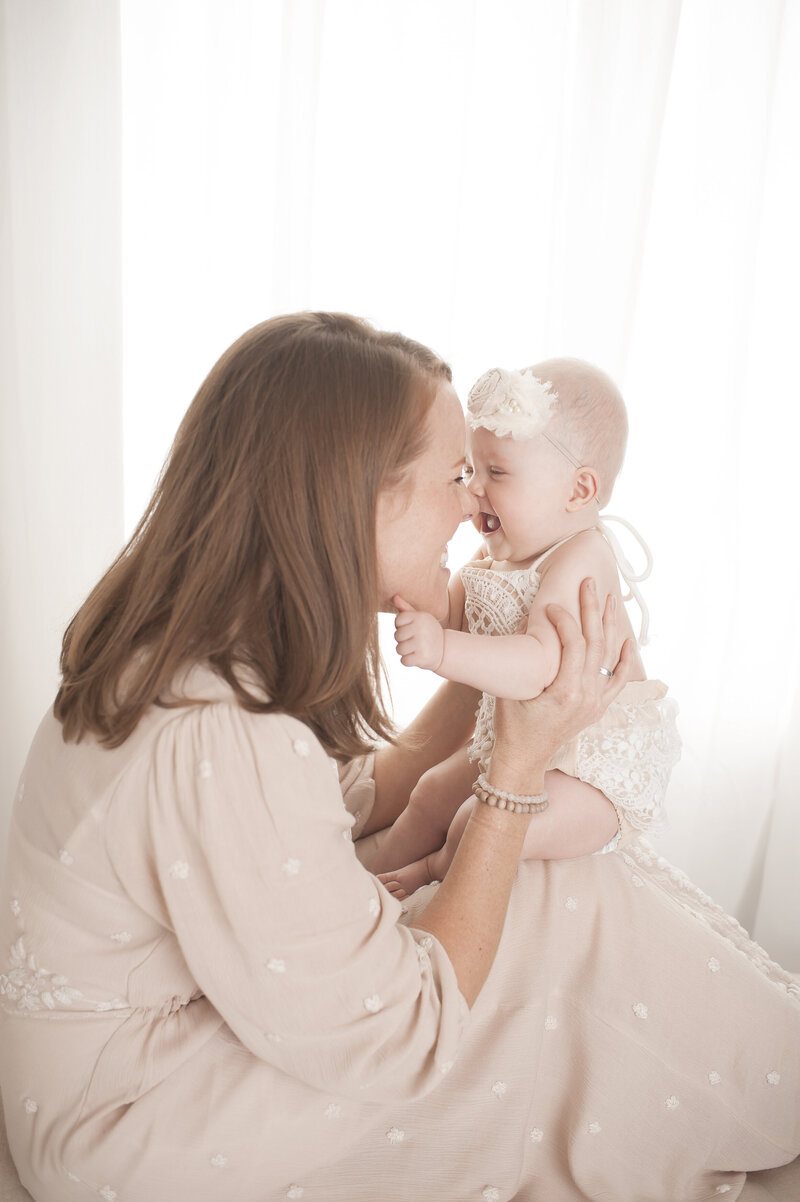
[(522, 489)]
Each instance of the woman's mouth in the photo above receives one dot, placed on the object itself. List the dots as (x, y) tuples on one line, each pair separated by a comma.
[(490, 523)]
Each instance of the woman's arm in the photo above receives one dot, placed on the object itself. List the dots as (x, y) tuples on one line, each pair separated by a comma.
[(440, 728), (468, 910)]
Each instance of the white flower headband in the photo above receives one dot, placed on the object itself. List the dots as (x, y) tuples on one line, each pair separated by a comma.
[(514, 404)]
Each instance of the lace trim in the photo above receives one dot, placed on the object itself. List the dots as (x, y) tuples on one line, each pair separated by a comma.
[(628, 755), (495, 602), (631, 762), (639, 853)]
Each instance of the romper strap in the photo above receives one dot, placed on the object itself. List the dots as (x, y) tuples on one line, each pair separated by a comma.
[(546, 554), (626, 570)]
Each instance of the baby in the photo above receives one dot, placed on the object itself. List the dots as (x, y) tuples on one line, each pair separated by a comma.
[(545, 447)]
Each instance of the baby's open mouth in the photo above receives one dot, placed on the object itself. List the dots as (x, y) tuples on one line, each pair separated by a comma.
[(490, 522)]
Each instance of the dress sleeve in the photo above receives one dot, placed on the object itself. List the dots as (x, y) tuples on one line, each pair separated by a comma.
[(249, 860)]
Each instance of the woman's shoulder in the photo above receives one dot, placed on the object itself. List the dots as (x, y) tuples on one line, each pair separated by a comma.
[(201, 728)]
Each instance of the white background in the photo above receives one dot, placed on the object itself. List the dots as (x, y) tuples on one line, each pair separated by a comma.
[(504, 180)]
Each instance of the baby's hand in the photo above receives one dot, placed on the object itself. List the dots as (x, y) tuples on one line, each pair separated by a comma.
[(419, 637)]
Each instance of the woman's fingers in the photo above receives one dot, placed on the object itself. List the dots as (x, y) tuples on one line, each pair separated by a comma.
[(610, 653), (592, 626), (572, 644), (617, 682)]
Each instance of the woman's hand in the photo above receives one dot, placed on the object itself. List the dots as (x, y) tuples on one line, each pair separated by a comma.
[(527, 733)]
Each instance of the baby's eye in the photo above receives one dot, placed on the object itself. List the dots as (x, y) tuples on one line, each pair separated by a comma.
[(467, 473), (496, 471)]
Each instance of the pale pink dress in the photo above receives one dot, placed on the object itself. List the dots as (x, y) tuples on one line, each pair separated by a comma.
[(206, 998)]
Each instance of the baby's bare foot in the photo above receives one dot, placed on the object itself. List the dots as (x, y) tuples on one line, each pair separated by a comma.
[(404, 881)]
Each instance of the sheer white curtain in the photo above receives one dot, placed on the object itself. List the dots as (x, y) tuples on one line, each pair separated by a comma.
[(508, 180), (60, 370)]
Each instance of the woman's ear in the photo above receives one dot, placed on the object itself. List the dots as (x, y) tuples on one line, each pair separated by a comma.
[(585, 487)]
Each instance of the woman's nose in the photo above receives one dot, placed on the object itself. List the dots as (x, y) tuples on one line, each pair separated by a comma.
[(469, 506)]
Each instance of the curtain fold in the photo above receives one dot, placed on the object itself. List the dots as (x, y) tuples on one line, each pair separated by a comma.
[(60, 339)]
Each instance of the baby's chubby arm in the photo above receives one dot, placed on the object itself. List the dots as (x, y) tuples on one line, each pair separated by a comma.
[(516, 666)]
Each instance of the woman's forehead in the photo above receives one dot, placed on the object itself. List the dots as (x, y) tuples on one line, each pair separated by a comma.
[(446, 424)]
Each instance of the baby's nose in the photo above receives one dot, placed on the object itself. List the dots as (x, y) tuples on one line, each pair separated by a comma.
[(474, 485)]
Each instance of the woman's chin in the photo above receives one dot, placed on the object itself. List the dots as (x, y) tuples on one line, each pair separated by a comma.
[(436, 601)]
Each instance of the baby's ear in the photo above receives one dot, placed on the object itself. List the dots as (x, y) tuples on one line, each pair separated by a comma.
[(585, 487)]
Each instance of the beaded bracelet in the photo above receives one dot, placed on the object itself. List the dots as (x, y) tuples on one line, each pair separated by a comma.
[(518, 803)]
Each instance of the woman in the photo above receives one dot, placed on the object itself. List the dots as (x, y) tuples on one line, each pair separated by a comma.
[(206, 995)]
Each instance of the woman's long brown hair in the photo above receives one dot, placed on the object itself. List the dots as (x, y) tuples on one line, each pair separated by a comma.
[(257, 550)]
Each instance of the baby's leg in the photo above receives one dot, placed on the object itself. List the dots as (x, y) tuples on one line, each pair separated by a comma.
[(434, 866), (423, 825), (578, 821)]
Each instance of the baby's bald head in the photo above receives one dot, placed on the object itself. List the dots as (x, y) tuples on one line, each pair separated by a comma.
[(589, 417)]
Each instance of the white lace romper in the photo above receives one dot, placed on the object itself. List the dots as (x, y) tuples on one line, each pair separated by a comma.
[(629, 753)]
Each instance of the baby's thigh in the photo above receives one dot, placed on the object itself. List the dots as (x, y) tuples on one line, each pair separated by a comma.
[(578, 821)]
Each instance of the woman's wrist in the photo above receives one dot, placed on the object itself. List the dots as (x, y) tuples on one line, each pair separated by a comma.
[(515, 778), (506, 799)]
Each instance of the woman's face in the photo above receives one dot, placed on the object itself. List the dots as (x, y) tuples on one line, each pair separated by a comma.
[(417, 517)]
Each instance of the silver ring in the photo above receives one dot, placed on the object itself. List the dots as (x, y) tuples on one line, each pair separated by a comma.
[(606, 672)]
